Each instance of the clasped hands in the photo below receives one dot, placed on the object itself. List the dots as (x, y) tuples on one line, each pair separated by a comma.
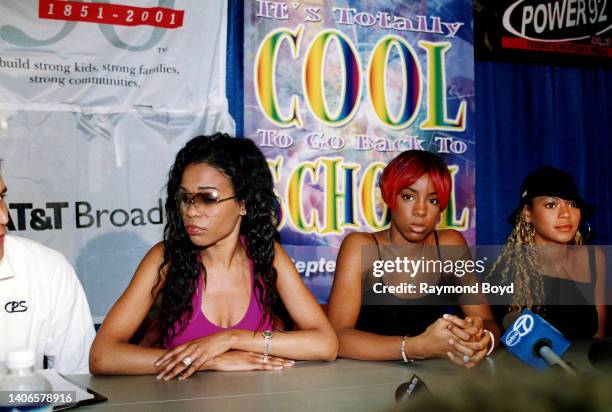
[(463, 341), (213, 352)]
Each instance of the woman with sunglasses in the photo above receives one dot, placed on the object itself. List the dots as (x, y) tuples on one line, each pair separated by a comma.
[(215, 277), (552, 273), (371, 325)]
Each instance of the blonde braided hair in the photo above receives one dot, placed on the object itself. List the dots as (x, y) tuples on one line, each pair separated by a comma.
[(519, 260)]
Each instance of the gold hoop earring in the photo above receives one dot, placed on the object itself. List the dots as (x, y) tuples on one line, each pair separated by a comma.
[(586, 236)]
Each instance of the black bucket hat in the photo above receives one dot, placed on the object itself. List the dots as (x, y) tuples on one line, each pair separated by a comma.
[(550, 181)]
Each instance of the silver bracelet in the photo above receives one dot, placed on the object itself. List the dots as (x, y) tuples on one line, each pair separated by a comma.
[(403, 351), (492, 342), (267, 335)]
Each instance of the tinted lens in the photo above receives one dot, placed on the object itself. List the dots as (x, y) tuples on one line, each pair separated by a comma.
[(182, 199), (206, 203)]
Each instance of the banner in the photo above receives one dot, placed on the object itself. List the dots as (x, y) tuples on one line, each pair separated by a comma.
[(550, 31), (334, 90), (54, 59), (96, 98)]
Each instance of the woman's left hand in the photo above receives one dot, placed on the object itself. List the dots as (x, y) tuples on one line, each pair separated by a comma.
[(471, 344), (187, 359), (469, 354)]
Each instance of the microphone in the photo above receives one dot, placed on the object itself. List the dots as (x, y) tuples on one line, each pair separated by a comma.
[(600, 355), (536, 342), (409, 389)]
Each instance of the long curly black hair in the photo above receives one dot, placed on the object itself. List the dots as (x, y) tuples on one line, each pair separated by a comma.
[(248, 171)]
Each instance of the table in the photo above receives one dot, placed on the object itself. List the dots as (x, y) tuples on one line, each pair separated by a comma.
[(343, 385)]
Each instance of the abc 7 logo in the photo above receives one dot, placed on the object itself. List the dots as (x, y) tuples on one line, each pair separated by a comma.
[(520, 328)]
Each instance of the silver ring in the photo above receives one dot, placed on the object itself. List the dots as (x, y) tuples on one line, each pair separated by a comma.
[(466, 358), (265, 359), (187, 361)]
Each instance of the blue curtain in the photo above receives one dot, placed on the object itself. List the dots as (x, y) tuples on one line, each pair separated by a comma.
[(235, 67), (526, 116)]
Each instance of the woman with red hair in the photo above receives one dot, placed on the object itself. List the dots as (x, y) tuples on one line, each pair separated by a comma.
[(375, 322)]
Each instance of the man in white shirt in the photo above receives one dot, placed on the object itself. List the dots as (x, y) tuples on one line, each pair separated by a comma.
[(42, 304)]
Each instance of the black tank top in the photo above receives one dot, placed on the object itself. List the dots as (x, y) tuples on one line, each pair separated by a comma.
[(576, 321), (395, 316)]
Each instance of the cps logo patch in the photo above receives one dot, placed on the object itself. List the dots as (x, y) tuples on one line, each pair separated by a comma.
[(15, 306)]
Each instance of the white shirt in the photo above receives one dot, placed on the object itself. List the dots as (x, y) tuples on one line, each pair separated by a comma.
[(43, 307)]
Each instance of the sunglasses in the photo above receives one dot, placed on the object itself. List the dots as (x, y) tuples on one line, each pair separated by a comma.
[(207, 202)]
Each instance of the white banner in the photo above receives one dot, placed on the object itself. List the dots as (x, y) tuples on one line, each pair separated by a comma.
[(87, 149), (49, 64)]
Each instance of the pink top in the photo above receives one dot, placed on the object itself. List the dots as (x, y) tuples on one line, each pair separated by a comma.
[(199, 326)]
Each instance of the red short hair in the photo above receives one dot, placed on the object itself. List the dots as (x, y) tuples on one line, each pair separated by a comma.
[(407, 168)]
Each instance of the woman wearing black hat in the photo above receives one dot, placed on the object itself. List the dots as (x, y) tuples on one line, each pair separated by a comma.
[(552, 273)]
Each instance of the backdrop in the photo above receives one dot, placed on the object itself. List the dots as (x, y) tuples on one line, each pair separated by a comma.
[(334, 89), (526, 116), (95, 101)]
